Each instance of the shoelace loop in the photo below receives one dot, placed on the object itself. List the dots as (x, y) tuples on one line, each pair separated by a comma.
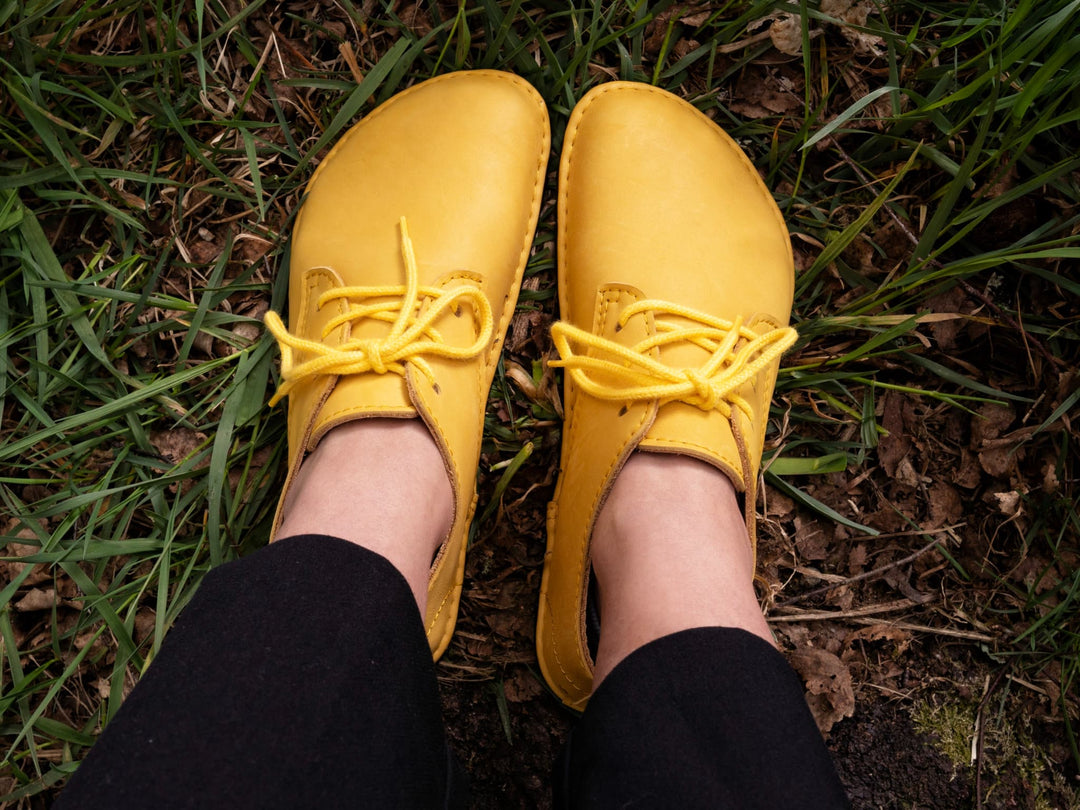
[(737, 355), (411, 335)]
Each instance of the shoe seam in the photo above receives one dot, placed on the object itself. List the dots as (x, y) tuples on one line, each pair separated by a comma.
[(508, 311), (583, 554), (564, 240)]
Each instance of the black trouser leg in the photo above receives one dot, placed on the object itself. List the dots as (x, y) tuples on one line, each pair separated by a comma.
[(297, 677), (706, 718)]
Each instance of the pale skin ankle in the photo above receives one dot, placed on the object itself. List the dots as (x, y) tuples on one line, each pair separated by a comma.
[(379, 483), (670, 552)]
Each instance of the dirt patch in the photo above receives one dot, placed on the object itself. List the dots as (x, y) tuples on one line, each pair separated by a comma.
[(885, 764)]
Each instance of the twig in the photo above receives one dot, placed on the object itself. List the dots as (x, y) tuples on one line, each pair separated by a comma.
[(980, 732), (875, 572), (832, 615), (966, 635)]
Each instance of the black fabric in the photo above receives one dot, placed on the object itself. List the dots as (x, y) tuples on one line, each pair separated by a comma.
[(298, 677), (707, 718)]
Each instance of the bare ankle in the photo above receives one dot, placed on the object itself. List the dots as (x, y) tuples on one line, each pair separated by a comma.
[(379, 483), (670, 552)]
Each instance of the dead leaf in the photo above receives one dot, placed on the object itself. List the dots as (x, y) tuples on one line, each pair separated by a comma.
[(1008, 503), (829, 692), (786, 34), (37, 599), (855, 13), (522, 379), (13, 569), (1050, 476), (945, 505), (176, 444), (778, 505), (656, 31), (203, 252), (997, 461), (145, 620), (906, 474), (811, 539), (895, 445), (993, 420), (882, 632), (857, 559), (967, 474)]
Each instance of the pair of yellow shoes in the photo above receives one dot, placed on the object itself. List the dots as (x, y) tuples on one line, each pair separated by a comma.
[(675, 286)]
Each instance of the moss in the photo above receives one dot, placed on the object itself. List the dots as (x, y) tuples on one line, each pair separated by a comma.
[(952, 727), (1009, 754)]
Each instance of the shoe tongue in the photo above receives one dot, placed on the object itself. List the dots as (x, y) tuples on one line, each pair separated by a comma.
[(687, 429), (362, 396), (370, 395)]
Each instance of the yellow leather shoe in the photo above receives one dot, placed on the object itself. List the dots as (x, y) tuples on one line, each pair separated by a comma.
[(675, 289), (406, 260)]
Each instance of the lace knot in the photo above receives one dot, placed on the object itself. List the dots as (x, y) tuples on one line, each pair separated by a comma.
[(412, 313), (373, 354), (706, 395), (612, 371)]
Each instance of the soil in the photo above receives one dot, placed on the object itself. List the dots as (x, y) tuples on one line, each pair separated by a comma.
[(884, 762)]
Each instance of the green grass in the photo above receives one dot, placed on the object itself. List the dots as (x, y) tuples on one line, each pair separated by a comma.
[(152, 155)]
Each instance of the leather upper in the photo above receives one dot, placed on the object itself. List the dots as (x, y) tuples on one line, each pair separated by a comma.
[(656, 204), (462, 158)]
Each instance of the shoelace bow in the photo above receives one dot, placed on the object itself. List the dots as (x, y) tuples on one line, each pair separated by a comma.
[(738, 354), (411, 335)]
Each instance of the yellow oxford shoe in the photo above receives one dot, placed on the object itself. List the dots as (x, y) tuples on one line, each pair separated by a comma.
[(675, 290), (406, 260)]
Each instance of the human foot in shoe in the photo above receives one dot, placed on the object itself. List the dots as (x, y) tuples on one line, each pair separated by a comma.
[(675, 288), (379, 483), (670, 552), (405, 265)]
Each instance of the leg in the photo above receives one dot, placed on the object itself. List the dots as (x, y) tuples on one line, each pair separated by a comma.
[(675, 290), (379, 483), (670, 552), (693, 706), (301, 676)]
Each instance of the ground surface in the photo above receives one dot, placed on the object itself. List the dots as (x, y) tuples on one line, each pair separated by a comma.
[(919, 534)]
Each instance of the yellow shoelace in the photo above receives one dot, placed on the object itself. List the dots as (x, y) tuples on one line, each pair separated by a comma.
[(411, 335), (738, 355)]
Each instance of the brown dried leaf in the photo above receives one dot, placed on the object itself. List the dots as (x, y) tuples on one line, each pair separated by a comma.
[(37, 599), (997, 461), (1008, 503), (786, 34), (811, 539), (907, 475), (778, 505), (993, 420), (13, 569), (521, 686), (894, 446), (857, 559), (967, 474), (882, 632), (945, 505), (829, 692), (176, 444), (854, 13)]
